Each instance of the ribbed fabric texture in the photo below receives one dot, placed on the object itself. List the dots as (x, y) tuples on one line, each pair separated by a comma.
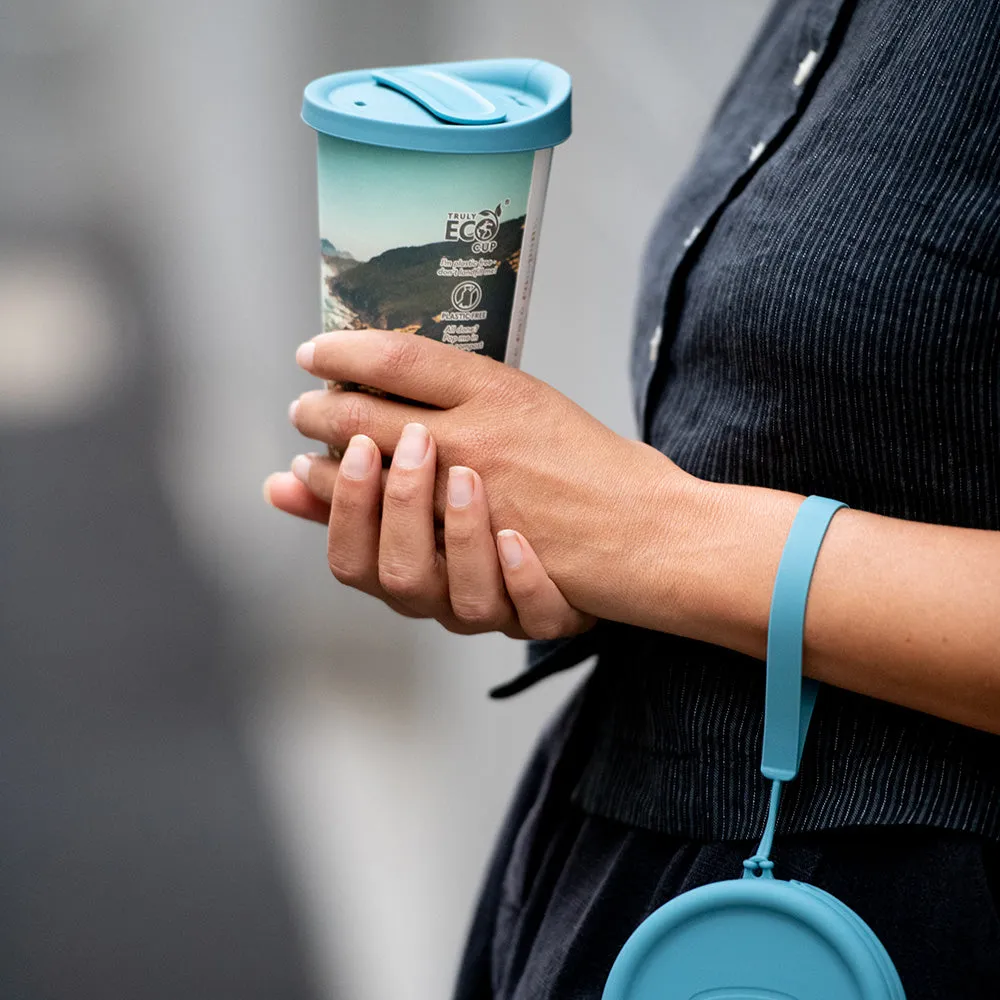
[(829, 315)]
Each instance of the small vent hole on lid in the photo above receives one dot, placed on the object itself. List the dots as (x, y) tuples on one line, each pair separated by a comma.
[(361, 104), (517, 100)]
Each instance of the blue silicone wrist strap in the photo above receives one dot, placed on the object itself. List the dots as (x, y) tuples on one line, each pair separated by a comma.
[(789, 698)]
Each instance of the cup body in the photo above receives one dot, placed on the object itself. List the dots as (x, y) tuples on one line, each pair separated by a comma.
[(437, 244)]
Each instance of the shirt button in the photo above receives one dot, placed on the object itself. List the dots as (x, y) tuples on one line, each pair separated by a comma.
[(756, 151), (806, 67), (654, 343), (692, 236)]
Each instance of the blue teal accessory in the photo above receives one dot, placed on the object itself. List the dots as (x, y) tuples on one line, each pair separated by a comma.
[(484, 106), (759, 937)]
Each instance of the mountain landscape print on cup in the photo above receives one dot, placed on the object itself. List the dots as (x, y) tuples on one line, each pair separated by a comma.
[(425, 243), (469, 306)]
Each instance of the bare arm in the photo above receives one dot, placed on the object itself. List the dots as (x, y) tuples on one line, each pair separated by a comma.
[(898, 610)]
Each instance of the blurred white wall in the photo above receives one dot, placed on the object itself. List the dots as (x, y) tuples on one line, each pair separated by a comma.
[(387, 767)]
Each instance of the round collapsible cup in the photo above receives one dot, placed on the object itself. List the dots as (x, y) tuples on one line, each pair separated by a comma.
[(432, 182)]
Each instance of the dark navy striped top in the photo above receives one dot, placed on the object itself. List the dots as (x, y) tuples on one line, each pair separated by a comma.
[(819, 312)]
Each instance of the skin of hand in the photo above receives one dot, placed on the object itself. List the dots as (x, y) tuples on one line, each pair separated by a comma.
[(898, 610), (552, 472), (383, 540)]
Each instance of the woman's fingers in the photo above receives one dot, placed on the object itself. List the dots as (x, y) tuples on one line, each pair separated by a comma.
[(335, 415), (286, 492), (383, 540), (353, 537), (412, 367), (307, 490), (319, 473), (475, 583), (541, 608), (410, 568)]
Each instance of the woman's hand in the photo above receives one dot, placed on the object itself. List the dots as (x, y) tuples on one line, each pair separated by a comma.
[(382, 541), (898, 610), (595, 505)]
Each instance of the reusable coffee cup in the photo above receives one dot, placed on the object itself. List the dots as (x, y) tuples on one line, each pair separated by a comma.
[(432, 183)]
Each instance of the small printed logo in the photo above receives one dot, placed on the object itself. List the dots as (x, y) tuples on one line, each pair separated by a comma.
[(478, 229), (466, 295), (486, 227)]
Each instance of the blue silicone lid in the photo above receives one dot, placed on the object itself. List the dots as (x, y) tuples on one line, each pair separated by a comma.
[(484, 106)]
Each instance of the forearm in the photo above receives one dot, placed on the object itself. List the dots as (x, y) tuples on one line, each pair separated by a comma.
[(898, 610)]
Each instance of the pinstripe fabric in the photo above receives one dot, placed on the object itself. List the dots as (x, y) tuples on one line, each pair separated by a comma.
[(832, 326)]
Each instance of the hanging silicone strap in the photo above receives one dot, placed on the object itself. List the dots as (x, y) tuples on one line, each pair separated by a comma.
[(789, 699)]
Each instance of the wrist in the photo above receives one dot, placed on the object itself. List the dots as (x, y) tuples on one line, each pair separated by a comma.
[(712, 552)]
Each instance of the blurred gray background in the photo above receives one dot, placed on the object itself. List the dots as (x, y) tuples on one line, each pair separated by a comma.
[(221, 773)]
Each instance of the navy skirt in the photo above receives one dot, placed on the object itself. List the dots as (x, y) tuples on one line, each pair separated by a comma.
[(565, 889)]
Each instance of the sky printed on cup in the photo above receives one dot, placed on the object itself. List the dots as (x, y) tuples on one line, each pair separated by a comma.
[(372, 198)]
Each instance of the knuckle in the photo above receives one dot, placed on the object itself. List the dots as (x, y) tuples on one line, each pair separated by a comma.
[(350, 414), (527, 592), (397, 357), (349, 565), (402, 491), (545, 628), (350, 503), (402, 582), (460, 536), (347, 573), (476, 612)]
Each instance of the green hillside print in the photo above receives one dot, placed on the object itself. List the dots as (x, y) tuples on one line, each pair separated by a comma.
[(400, 288)]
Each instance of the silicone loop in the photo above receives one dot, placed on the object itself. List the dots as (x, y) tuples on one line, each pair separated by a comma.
[(789, 699)]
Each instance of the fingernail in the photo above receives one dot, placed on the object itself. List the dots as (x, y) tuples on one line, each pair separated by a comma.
[(460, 486), (412, 447), (357, 459), (304, 355), (266, 489), (510, 548), (300, 468), (291, 410)]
